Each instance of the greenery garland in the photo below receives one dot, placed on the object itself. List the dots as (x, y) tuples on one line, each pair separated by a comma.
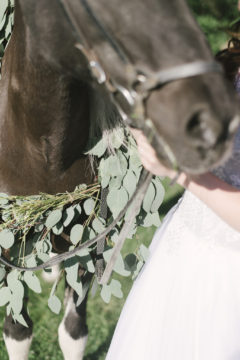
[(30, 226)]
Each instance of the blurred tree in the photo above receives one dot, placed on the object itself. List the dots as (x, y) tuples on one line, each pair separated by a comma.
[(216, 8)]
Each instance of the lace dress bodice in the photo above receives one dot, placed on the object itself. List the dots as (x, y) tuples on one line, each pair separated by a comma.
[(192, 216)]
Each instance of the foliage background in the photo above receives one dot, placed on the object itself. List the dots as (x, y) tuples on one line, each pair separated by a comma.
[(213, 16)]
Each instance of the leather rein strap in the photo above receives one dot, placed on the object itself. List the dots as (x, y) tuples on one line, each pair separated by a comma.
[(131, 98)]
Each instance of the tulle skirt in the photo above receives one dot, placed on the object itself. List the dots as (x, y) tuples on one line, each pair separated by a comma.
[(185, 304)]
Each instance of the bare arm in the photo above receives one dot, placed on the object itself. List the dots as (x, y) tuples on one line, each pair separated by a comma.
[(222, 198)]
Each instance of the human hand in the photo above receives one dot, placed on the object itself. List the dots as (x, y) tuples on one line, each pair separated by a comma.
[(149, 157)]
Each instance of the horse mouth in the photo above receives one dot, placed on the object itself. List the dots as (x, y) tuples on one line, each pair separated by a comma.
[(207, 158), (193, 155)]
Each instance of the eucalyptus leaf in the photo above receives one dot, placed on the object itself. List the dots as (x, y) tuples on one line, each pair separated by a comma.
[(115, 287), (72, 274), (117, 138), (2, 274), (149, 197), (94, 288), (130, 182), (88, 206), (99, 149), (76, 233), (115, 182), (20, 319), (68, 216), (151, 219), (144, 252), (138, 269), (87, 263), (116, 200), (98, 226), (106, 293), (12, 277), (32, 281), (58, 228), (6, 239), (53, 218), (5, 295), (160, 192), (54, 304), (130, 262), (31, 261)]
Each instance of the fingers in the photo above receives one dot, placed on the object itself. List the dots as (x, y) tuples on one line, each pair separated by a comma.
[(149, 157)]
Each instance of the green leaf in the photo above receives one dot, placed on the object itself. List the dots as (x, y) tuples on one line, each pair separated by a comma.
[(94, 287), (144, 252), (131, 262), (117, 138), (32, 281), (138, 269), (88, 206), (106, 293), (31, 261), (98, 226), (76, 233), (3, 201), (105, 181), (53, 218), (6, 238), (160, 192), (2, 274), (115, 182), (115, 287), (83, 252), (58, 228), (116, 200), (119, 265), (16, 301), (12, 277), (149, 197), (68, 216), (123, 162), (130, 182), (5, 295), (20, 319), (152, 219), (99, 149), (54, 304), (87, 263), (72, 273)]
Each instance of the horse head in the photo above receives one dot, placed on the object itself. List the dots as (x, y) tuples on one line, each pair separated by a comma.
[(129, 42)]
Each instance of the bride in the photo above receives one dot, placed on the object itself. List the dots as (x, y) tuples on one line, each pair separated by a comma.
[(185, 304)]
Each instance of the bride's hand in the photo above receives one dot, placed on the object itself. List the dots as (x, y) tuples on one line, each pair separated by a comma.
[(149, 157)]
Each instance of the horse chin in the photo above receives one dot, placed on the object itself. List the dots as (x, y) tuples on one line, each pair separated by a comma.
[(206, 160)]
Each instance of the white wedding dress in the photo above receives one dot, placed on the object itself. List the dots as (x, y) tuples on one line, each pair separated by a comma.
[(185, 304)]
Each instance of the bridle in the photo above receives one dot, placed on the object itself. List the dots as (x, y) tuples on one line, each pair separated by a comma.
[(130, 102)]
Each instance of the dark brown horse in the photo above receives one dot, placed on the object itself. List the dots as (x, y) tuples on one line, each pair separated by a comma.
[(50, 105)]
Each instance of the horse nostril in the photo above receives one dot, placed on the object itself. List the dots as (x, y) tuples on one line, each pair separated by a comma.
[(203, 129)]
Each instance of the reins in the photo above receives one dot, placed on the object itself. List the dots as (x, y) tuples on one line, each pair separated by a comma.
[(130, 104)]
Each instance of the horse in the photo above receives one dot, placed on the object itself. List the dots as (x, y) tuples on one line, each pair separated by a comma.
[(54, 97)]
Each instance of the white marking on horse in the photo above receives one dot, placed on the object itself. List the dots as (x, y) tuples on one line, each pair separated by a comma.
[(72, 348), (17, 350)]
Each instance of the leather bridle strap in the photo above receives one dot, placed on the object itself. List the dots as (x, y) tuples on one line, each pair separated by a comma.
[(180, 72)]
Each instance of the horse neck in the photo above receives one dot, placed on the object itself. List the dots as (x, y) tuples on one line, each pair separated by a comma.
[(44, 114)]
